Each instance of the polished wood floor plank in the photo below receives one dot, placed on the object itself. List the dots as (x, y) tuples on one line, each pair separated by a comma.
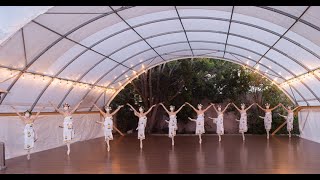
[(256, 155)]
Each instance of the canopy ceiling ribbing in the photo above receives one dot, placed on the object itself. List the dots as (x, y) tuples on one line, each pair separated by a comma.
[(108, 46)]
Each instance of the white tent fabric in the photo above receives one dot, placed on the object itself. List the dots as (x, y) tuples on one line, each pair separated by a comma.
[(69, 53), (48, 132), (309, 124)]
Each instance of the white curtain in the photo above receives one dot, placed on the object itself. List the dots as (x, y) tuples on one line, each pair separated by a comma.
[(309, 124), (48, 132)]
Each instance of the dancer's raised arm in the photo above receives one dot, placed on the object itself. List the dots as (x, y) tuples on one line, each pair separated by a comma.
[(296, 108), (135, 112), (103, 113), (226, 108), (250, 106), (207, 108), (20, 116), (275, 107), (180, 108), (191, 119), (37, 115), (236, 107), (164, 108), (260, 107), (115, 111), (192, 107), (149, 109), (59, 111), (282, 115), (214, 107), (76, 107)]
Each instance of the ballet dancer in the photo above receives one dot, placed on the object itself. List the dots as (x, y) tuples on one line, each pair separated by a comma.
[(108, 123), (289, 118), (243, 127), (142, 122), (29, 133), (172, 123), (68, 130), (200, 119), (268, 116), (219, 120)]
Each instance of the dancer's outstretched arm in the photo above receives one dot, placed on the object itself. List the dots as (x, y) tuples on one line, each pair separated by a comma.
[(20, 116), (192, 107), (207, 108), (166, 121), (250, 106), (164, 107), (180, 108), (75, 108), (226, 108), (191, 119), (99, 122), (275, 107), (214, 107), (284, 107), (261, 107), (114, 112), (282, 115), (37, 115), (236, 107), (149, 109), (296, 108), (134, 110), (103, 113), (58, 110)]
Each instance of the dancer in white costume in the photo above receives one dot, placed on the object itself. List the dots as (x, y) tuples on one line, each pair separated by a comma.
[(108, 123), (219, 120), (68, 130), (289, 118), (268, 116), (243, 127), (200, 119), (172, 123), (142, 122), (29, 133)]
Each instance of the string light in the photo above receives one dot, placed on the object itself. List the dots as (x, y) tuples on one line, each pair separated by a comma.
[(300, 78), (43, 78)]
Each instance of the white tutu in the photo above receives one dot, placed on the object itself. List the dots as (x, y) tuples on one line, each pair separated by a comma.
[(108, 127), (141, 127), (243, 127), (267, 120), (29, 136), (290, 121), (200, 124), (68, 131), (220, 128)]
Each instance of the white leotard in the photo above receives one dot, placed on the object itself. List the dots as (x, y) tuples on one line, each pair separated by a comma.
[(141, 127), (200, 124), (108, 127), (29, 136), (220, 128), (243, 127), (68, 131), (290, 121), (267, 120), (172, 125)]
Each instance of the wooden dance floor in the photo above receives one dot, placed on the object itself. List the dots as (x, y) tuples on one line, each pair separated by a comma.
[(256, 155)]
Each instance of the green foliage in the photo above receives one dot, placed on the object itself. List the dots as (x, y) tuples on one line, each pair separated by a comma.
[(198, 79)]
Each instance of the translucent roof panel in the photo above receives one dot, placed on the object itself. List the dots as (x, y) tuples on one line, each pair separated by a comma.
[(109, 45)]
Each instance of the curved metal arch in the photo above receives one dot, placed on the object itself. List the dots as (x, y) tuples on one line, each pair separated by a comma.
[(232, 61), (156, 52), (252, 51), (235, 22), (52, 44)]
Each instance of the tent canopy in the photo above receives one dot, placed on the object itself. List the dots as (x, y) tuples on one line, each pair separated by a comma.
[(71, 53)]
